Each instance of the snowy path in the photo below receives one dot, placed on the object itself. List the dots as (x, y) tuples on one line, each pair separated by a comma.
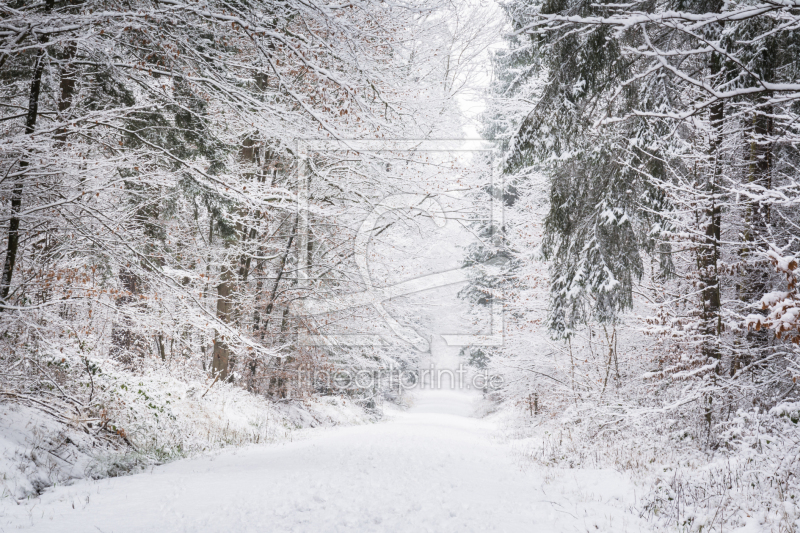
[(432, 468)]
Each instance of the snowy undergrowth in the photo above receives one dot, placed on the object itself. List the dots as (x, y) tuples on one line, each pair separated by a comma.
[(748, 482), (141, 420), (36, 451)]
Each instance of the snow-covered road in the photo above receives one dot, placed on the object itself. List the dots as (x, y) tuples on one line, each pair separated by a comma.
[(431, 468)]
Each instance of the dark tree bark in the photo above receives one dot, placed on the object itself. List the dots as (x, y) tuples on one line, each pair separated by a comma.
[(709, 251), (16, 193), (222, 353), (69, 75), (708, 257)]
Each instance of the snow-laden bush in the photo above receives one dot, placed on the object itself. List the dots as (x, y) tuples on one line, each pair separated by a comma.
[(749, 480), (132, 421)]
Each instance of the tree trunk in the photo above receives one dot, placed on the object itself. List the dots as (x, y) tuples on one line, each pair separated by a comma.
[(709, 251), (67, 87), (221, 360), (711, 326), (16, 193)]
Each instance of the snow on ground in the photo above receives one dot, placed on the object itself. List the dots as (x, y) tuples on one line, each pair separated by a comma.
[(431, 468)]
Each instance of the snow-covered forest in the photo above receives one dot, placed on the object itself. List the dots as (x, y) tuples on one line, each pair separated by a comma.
[(246, 237)]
